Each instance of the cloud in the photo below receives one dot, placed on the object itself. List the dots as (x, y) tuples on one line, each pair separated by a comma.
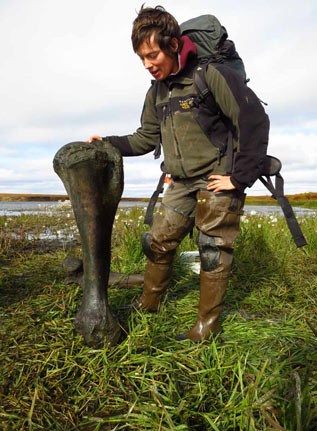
[(69, 71), (6, 151), (297, 150)]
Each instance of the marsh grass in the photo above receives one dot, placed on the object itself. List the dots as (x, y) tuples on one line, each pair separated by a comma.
[(259, 374)]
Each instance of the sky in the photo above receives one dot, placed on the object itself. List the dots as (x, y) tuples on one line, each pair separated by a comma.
[(67, 71)]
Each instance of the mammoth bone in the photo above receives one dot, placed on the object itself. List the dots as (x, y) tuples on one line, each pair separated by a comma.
[(75, 274), (93, 177)]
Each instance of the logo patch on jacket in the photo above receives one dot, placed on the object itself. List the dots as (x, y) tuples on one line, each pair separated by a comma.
[(186, 103)]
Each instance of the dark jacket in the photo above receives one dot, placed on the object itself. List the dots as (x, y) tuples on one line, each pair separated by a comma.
[(187, 150)]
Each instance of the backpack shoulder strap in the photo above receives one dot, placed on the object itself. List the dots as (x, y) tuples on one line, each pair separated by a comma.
[(204, 94)]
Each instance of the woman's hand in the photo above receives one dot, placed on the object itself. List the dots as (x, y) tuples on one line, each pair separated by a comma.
[(94, 138), (219, 183)]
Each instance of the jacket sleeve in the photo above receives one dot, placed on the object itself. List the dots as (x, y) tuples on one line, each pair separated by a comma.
[(146, 138), (243, 108)]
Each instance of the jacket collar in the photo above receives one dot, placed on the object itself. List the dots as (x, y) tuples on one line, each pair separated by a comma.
[(188, 50), (187, 60)]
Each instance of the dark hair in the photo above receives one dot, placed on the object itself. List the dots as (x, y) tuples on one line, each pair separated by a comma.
[(158, 21)]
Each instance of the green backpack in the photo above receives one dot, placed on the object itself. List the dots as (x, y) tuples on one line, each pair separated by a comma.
[(212, 44)]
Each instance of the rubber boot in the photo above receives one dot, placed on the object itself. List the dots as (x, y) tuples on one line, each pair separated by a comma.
[(212, 291), (159, 245), (156, 279), (217, 219)]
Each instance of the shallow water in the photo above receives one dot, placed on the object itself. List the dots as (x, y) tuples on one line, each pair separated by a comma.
[(271, 209), (38, 207), (18, 208)]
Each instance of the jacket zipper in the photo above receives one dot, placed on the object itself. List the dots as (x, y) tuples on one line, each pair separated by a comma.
[(175, 137)]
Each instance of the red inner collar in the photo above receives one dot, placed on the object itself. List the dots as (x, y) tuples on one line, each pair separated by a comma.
[(187, 50)]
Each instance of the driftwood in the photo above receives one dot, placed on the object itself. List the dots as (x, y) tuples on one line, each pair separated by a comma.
[(93, 177)]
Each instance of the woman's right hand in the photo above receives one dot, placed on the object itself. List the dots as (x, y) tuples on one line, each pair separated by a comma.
[(94, 138)]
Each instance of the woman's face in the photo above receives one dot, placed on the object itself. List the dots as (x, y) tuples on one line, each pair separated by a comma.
[(157, 62)]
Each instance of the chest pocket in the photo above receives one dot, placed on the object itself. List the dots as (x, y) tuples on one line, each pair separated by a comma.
[(175, 104)]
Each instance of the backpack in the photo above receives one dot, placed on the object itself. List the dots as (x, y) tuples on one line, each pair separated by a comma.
[(213, 46)]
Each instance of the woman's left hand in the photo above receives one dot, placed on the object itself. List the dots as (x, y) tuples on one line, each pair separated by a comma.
[(219, 183)]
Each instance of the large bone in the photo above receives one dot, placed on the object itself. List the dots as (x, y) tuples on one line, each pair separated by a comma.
[(75, 274), (93, 177)]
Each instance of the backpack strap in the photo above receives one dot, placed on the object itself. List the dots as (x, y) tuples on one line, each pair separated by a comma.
[(272, 167), (148, 219), (205, 96)]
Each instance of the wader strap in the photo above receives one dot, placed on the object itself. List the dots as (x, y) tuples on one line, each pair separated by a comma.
[(150, 208), (278, 194)]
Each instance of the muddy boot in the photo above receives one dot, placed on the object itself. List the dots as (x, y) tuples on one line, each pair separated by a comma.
[(159, 246), (156, 279), (212, 291), (217, 219)]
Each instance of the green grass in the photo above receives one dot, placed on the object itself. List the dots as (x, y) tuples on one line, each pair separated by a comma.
[(259, 374)]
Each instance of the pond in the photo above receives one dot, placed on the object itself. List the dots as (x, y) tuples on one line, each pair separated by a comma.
[(38, 207), (18, 208)]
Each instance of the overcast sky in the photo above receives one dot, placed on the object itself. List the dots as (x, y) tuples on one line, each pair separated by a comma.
[(67, 71)]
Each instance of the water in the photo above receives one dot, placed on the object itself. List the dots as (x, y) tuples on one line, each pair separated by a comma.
[(18, 208), (271, 209), (54, 208), (38, 207)]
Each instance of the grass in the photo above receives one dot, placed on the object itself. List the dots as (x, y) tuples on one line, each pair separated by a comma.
[(259, 374)]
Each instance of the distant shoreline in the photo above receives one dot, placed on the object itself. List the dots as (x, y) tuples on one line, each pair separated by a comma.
[(308, 200), (17, 197)]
